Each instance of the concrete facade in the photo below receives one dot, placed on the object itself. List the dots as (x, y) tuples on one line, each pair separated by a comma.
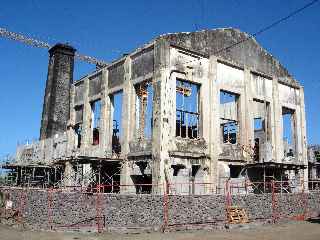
[(213, 112), (314, 162)]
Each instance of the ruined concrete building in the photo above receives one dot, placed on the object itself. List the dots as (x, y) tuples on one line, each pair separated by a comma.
[(314, 162), (184, 108)]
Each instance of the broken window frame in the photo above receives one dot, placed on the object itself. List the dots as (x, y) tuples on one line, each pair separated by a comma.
[(265, 119), (227, 134), (78, 125), (187, 121), (293, 134), (96, 109), (144, 109)]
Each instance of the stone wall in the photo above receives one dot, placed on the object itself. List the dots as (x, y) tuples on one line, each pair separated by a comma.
[(43, 209)]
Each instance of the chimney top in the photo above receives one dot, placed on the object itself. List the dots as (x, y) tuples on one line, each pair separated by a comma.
[(62, 48)]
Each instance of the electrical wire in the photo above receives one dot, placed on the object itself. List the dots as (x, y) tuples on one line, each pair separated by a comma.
[(262, 30), (270, 26)]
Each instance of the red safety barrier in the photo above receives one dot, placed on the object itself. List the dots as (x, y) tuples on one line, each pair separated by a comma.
[(99, 209)]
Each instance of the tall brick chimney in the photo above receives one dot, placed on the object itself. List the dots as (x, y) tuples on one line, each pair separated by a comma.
[(56, 104)]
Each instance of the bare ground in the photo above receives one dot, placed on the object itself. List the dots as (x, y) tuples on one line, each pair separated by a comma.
[(290, 231)]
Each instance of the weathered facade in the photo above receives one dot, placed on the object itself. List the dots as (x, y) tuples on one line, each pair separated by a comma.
[(314, 162), (184, 108)]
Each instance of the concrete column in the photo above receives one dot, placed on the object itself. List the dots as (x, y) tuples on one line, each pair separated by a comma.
[(71, 137), (86, 131), (277, 126), (163, 114), (314, 173), (128, 101), (248, 124), (303, 135), (272, 119), (86, 174), (214, 142), (205, 106), (242, 111), (105, 129), (205, 110), (68, 176)]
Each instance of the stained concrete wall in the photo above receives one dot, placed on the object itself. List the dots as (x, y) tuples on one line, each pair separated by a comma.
[(142, 63), (116, 75), (125, 212), (249, 53)]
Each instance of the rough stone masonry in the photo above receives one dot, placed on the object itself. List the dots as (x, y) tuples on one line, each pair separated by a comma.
[(44, 209)]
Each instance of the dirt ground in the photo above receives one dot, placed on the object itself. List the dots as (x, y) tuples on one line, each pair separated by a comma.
[(290, 231)]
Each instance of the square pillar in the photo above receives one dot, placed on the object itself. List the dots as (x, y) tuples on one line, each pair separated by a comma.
[(86, 133), (248, 122), (163, 114), (106, 129), (277, 126), (128, 103), (214, 138), (303, 136)]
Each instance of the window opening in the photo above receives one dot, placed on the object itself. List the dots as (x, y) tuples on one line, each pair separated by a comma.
[(95, 116), (235, 171), (261, 123), (230, 132), (258, 124), (144, 102), (78, 130), (78, 123), (116, 101), (229, 117), (187, 109), (256, 149), (288, 118)]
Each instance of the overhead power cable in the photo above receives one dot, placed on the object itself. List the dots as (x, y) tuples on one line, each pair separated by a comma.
[(262, 30), (266, 28), (40, 44)]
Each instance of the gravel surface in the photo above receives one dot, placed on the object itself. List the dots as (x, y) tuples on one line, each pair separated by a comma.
[(290, 231)]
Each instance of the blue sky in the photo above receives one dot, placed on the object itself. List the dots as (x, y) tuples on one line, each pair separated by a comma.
[(107, 29)]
